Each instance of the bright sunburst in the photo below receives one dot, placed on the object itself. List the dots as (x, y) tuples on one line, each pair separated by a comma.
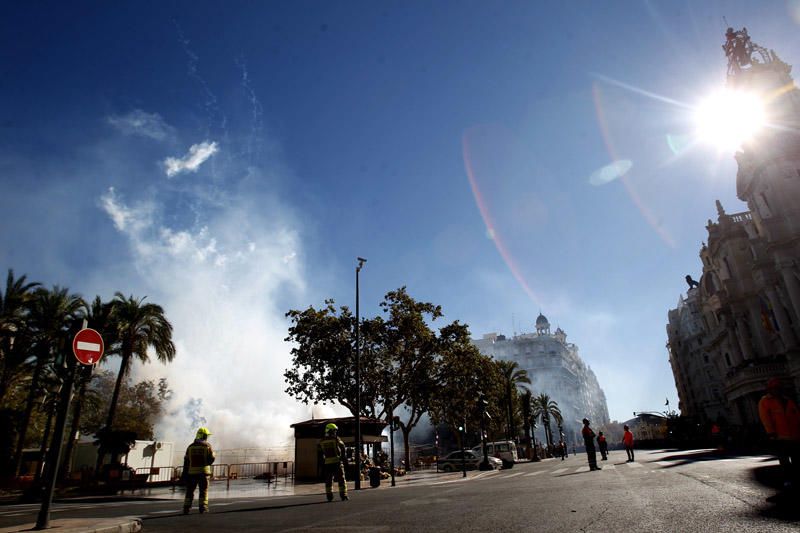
[(727, 119)]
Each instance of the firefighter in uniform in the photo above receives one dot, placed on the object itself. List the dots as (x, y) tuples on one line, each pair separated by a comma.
[(197, 470), (332, 450)]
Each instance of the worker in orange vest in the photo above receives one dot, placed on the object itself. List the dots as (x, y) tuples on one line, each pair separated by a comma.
[(602, 443), (627, 441), (781, 420)]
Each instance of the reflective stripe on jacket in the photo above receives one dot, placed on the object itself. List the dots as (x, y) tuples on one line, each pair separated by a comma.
[(199, 458), (780, 417), (332, 449)]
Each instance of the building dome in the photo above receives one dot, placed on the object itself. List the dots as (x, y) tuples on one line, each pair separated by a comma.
[(541, 320)]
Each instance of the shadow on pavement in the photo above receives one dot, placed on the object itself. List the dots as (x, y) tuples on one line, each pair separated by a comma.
[(694, 456), (246, 510)]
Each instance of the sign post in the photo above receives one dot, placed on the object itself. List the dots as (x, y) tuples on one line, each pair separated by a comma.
[(88, 349)]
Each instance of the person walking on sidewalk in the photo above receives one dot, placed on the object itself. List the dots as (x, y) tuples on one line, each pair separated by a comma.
[(627, 441), (332, 450), (588, 441), (781, 420), (197, 469), (603, 445), (562, 449)]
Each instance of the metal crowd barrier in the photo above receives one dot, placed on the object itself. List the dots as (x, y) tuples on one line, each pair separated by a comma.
[(269, 471)]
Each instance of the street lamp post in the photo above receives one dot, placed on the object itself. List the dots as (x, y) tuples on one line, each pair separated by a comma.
[(361, 262), (463, 453), (485, 463), (392, 425), (533, 438)]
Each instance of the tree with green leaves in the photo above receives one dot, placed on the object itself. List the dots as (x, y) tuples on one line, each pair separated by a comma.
[(543, 408), (525, 400), (323, 357), (513, 376), (15, 338), (135, 328), (52, 317), (98, 317), (411, 346), (460, 373)]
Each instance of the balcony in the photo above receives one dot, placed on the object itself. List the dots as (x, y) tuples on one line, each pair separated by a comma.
[(751, 376)]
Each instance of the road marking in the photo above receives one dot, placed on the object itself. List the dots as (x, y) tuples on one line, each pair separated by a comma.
[(558, 471), (662, 463), (14, 514), (534, 473), (609, 467), (484, 474), (513, 475), (634, 465), (581, 469), (165, 512)]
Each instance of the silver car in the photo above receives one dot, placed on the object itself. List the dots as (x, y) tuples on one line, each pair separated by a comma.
[(453, 461)]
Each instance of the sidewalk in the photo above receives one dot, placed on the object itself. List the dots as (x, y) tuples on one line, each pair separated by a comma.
[(126, 524), (218, 490)]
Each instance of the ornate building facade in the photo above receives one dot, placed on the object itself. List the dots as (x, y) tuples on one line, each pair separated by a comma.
[(740, 326), (556, 369)]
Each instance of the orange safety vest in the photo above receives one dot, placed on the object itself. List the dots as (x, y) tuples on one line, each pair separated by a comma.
[(780, 417), (627, 438)]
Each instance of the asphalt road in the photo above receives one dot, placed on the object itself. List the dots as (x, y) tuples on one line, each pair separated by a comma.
[(666, 491)]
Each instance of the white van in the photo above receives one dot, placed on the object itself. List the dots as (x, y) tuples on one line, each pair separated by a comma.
[(505, 450)]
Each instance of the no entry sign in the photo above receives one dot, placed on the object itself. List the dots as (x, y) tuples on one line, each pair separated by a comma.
[(88, 346)]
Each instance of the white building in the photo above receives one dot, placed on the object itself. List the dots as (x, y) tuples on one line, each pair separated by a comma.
[(556, 369)]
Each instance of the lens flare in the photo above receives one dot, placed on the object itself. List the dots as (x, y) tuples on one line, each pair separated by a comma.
[(610, 172)]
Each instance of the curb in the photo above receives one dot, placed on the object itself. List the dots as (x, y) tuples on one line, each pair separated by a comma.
[(79, 525)]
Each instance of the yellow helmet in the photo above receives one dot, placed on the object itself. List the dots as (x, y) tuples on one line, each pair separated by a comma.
[(202, 433), (330, 428)]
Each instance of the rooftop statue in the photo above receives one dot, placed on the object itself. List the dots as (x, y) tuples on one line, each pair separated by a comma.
[(739, 50)]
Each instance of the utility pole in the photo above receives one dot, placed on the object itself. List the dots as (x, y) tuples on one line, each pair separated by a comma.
[(361, 262)]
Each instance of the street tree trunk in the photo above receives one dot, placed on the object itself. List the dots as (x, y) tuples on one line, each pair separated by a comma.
[(26, 417)]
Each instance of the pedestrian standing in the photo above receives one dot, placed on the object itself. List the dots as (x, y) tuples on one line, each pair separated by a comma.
[(588, 441), (562, 449), (197, 470), (781, 420), (627, 441), (332, 450), (603, 445)]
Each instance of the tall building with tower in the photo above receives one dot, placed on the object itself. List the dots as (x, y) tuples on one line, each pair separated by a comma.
[(556, 369), (740, 324)]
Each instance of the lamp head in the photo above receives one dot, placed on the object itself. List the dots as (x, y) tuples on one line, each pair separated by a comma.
[(361, 262)]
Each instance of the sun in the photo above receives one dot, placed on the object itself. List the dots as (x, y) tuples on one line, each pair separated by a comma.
[(727, 119)]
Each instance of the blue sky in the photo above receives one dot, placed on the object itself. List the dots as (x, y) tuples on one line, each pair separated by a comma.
[(231, 160)]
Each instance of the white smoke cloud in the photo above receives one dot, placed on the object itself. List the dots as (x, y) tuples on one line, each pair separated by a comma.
[(197, 155), (142, 123), (221, 285)]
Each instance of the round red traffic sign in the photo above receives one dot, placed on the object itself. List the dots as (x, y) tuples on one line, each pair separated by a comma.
[(88, 346)]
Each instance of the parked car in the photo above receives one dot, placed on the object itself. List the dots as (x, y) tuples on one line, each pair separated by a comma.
[(453, 461), (504, 450)]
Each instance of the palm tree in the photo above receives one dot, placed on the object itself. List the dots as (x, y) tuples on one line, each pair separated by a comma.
[(135, 327), (51, 314), (525, 400), (543, 408), (13, 332), (98, 317), (513, 375)]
